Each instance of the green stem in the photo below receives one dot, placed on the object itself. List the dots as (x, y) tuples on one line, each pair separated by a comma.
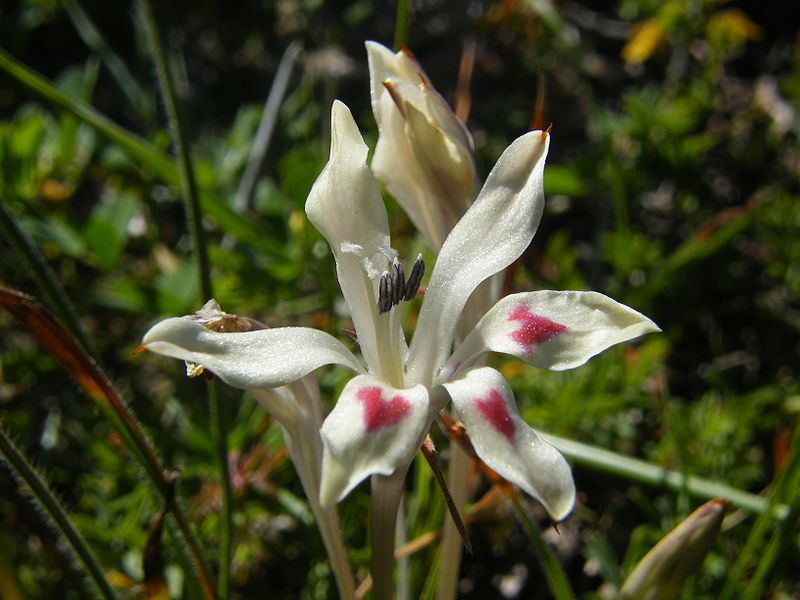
[(191, 199), (634, 469), (401, 24), (297, 408), (386, 495), (177, 128), (58, 517), (556, 578), (44, 278), (452, 545)]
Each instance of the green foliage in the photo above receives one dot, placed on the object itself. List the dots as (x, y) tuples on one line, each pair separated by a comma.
[(671, 184)]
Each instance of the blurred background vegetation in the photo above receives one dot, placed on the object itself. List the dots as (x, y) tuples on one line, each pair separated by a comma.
[(672, 185)]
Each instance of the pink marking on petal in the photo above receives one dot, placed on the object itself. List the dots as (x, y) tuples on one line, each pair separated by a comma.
[(380, 413), (533, 329), (493, 408)]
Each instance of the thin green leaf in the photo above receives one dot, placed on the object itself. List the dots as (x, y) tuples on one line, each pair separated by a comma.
[(634, 469), (194, 216), (57, 516), (142, 152), (54, 338)]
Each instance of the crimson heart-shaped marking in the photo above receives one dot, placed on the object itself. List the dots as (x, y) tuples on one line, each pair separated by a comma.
[(494, 410), (380, 413), (533, 329)]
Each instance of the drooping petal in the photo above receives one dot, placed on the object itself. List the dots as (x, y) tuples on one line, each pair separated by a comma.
[(253, 359), (493, 233), (373, 429), (345, 206), (485, 404), (551, 330)]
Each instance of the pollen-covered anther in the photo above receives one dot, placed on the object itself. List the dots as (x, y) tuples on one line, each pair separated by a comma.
[(412, 285), (399, 287), (385, 293), (393, 288)]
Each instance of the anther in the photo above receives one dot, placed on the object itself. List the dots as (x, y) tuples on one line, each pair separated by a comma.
[(384, 294), (399, 288), (412, 285)]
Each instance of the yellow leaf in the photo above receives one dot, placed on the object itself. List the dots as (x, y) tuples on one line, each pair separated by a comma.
[(646, 37), (731, 28)]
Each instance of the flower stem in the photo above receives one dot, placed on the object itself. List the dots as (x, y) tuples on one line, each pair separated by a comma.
[(452, 544), (191, 200), (386, 495), (297, 408)]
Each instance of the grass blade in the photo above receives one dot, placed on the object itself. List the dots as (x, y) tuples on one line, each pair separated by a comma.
[(191, 204), (141, 151), (54, 338), (634, 469), (267, 126), (44, 278), (57, 516), (138, 99)]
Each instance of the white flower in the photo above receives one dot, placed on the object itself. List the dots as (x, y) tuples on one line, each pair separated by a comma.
[(385, 411), (424, 154)]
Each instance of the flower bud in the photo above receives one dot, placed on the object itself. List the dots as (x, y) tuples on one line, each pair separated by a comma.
[(424, 154), (662, 572)]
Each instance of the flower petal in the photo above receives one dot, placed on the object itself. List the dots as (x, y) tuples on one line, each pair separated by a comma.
[(345, 206), (252, 359), (373, 429), (493, 233), (485, 404), (551, 330)]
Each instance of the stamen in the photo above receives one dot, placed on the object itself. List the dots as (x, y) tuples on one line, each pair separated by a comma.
[(399, 289), (385, 294), (412, 285)]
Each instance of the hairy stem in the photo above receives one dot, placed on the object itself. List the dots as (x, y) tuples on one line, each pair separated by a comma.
[(57, 516), (191, 199)]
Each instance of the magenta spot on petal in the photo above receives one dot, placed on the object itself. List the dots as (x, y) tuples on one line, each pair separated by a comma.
[(493, 408), (380, 413), (533, 329)]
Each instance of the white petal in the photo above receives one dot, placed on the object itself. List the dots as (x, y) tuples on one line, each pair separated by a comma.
[(385, 64), (493, 233), (551, 330), (373, 429), (485, 404), (345, 206), (252, 359)]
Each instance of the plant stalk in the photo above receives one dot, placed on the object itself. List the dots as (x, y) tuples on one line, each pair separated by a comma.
[(386, 495), (57, 516), (191, 199)]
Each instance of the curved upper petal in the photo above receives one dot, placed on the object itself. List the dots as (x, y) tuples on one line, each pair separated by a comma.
[(484, 402), (551, 330), (252, 359), (345, 206), (373, 429), (493, 233)]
